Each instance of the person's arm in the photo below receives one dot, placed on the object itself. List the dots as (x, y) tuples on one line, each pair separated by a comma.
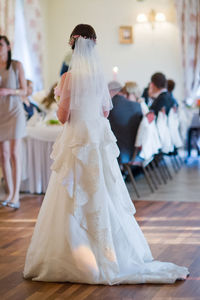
[(59, 87), (63, 111), (21, 91)]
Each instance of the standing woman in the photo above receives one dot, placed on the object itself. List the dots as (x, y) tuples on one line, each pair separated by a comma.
[(12, 121)]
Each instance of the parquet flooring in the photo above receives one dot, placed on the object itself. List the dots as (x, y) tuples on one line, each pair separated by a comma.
[(184, 187), (171, 228)]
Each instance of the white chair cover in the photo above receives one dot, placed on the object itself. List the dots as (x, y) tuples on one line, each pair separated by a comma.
[(148, 139), (173, 123), (164, 133)]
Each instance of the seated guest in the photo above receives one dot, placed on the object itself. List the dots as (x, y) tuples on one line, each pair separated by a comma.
[(133, 93), (170, 87), (124, 119), (29, 105), (158, 91)]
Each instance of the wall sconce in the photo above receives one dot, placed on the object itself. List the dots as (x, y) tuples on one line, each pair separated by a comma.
[(152, 18)]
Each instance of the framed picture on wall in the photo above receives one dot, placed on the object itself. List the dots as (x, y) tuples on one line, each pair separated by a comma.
[(125, 35)]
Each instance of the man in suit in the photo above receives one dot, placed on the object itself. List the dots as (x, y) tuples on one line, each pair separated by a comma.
[(158, 91), (124, 118)]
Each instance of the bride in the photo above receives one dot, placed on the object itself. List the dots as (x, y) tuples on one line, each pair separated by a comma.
[(86, 231)]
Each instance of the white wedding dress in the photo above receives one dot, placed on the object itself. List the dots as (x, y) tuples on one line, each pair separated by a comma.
[(86, 231)]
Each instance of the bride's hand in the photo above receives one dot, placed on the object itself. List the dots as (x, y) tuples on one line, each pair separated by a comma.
[(106, 114)]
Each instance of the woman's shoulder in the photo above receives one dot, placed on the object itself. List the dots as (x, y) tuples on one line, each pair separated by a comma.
[(65, 75), (16, 64)]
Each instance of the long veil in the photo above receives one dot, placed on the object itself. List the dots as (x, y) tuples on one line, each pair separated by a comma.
[(86, 84)]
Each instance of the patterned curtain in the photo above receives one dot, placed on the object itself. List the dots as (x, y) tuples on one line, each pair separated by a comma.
[(7, 18), (188, 13), (33, 21)]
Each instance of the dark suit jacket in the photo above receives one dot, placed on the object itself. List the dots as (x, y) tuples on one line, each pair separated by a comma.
[(175, 101), (125, 118), (163, 100)]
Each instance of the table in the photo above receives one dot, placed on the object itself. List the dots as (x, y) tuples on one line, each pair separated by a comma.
[(36, 161), (194, 133)]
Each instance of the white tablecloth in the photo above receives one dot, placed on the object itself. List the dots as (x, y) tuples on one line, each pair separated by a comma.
[(36, 161)]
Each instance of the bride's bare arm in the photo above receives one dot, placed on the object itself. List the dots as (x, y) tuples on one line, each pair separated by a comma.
[(63, 111), (62, 93)]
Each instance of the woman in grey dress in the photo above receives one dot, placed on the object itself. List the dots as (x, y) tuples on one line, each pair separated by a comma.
[(12, 121)]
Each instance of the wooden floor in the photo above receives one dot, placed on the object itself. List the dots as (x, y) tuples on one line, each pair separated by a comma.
[(184, 187), (171, 228)]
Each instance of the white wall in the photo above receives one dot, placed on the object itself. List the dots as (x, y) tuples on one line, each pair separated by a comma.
[(152, 50)]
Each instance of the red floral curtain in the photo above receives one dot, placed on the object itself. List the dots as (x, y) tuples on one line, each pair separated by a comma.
[(7, 19), (188, 13)]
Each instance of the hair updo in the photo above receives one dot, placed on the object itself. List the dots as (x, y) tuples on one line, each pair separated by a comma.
[(84, 30)]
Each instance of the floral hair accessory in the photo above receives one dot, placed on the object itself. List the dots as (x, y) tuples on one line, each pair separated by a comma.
[(76, 36)]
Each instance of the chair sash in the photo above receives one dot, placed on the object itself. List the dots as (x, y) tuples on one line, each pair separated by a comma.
[(147, 138), (173, 123), (164, 133)]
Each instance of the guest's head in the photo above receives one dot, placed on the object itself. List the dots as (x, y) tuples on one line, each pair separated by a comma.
[(131, 91), (170, 85), (29, 84), (49, 99), (5, 50), (84, 30), (114, 88), (158, 82)]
